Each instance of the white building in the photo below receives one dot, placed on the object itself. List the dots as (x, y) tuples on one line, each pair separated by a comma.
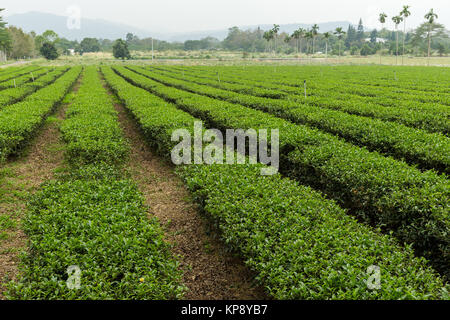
[(379, 40)]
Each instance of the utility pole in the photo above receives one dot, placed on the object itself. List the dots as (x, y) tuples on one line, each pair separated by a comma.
[(152, 50)]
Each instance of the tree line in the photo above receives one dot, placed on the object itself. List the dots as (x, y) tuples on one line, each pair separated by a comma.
[(430, 37)]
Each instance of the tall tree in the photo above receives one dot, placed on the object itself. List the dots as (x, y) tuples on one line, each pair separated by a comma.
[(296, 35), (268, 36), (38, 42), (351, 36), (22, 44), (360, 31), (397, 20), (287, 39), (339, 33), (315, 32), (5, 40), (236, 40), (431, 17), (129, 37), (373, 36), (405, 13), (309, 37), (326, 36), (275, 30), (382, 19), (120, 50), (301, 33), (50, 36), (438, 33), (259, 33), (48, 51), (90, 45)]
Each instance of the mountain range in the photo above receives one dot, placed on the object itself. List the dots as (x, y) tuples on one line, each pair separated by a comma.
[(103, 29)]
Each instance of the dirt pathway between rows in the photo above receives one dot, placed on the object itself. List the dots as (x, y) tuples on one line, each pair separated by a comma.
[(20, 178), (17, 63), (210, 272)]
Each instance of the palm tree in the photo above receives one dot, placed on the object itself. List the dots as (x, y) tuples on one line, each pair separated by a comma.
[(382, 20), (340, 33), (405, 13), (296, 36), (301, 33), (275, 30), (430, 16), (287, 39), (308, 36), (268, 36), (397, 20), (314, 31), (326, 36)]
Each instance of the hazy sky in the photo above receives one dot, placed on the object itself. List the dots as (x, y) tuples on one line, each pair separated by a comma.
[(196, 15)]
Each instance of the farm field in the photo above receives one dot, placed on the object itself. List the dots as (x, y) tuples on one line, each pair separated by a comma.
[(225, 58), (92, 206)]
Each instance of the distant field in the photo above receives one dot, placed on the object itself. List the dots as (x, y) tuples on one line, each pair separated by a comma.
[(236, 58), (86, 146)]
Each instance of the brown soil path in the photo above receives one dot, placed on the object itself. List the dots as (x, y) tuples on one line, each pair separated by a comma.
[(19, 178), (211, 273), (17, 63)]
